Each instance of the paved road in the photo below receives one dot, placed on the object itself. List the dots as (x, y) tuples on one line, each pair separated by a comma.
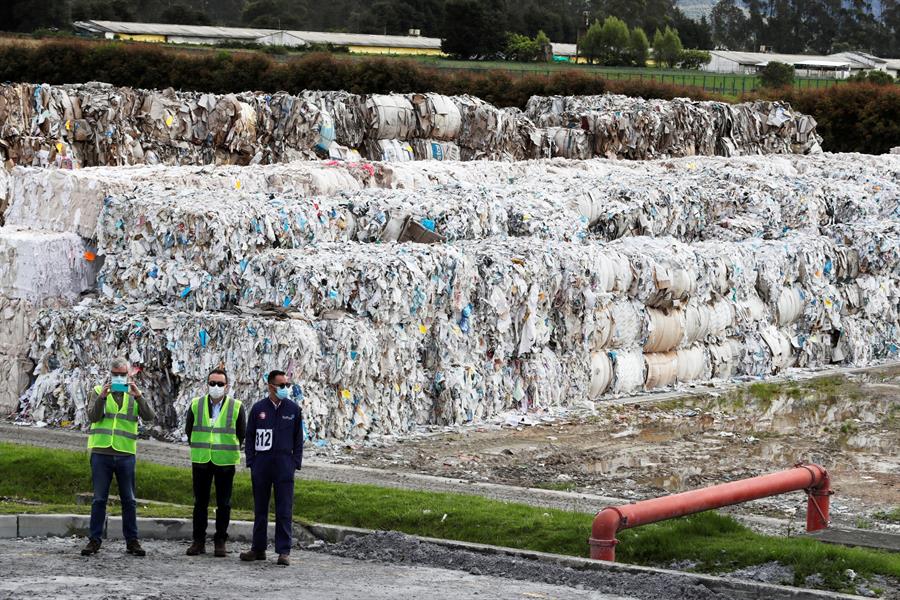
[(52, 568)]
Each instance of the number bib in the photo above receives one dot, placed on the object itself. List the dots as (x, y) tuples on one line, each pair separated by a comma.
[(263, 440)]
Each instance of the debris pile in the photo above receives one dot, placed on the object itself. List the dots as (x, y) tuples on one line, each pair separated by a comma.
[(616, 126), (540, 284), (96, 124)]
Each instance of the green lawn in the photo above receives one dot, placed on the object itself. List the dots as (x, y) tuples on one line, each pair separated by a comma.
[(715, 542), (728, 84)]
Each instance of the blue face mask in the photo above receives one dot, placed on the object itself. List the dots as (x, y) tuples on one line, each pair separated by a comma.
[(283, 393)]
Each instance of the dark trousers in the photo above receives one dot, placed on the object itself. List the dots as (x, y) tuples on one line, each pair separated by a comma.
[(103, 468), (203, 476), (266, 475)]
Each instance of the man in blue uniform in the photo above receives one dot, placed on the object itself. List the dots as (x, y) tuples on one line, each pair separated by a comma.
[(274, 451)]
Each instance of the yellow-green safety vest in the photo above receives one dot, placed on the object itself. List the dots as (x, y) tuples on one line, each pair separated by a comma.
[(215, 442), (119, 427)]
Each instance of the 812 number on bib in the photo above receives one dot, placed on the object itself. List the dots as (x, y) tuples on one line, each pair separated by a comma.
[(263, 440)]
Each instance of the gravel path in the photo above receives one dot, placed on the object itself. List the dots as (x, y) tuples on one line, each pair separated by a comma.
[(52, 568)]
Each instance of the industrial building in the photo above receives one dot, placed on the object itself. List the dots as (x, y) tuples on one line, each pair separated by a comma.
[(836, 66), (200, 34)]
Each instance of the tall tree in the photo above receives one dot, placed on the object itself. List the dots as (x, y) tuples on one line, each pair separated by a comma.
[(638, 47), (471, 30), (666, 47), (729, 25), (614, 38)]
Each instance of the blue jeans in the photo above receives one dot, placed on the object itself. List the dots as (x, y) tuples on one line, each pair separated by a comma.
[(103, 467)]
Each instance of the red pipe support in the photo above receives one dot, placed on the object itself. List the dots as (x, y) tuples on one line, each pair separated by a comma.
[(811, 478)]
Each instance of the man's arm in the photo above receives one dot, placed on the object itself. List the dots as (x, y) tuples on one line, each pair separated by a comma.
[(298, 439), (189, 423), (241, 429), (250, 447), (96, 406), (145, 411)]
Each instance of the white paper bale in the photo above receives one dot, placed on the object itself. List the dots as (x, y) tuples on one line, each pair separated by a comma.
[(390, 117), (601, 374), (630, 371), (665, 330), (693, 364), (661, 369), (42, 267), (15, 375)]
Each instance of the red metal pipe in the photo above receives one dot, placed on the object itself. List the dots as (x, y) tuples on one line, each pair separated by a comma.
[(812, 478)]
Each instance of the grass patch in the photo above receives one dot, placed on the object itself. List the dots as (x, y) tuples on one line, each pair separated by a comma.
[(892, 515), (716, 542), (557, 486)]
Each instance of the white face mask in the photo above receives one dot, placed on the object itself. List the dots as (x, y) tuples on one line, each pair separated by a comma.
[(216, 392)]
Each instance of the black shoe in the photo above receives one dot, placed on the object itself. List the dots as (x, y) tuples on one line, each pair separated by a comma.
[(93, 547), (253, 555), (133, 547), (196, 548)]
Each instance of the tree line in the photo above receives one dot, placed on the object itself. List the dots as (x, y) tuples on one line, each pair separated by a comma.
[(808, 26), (790, 26)]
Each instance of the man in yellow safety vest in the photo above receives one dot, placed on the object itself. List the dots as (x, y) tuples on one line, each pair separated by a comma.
[(113, 412), (215, 426)]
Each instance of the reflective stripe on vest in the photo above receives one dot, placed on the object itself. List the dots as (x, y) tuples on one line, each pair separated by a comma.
[(119, 428), (215, 442)]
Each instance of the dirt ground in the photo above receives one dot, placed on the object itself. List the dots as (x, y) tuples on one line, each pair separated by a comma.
[(850, 424)]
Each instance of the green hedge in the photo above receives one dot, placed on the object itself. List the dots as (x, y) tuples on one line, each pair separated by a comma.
[(852, 117), (147, 66)]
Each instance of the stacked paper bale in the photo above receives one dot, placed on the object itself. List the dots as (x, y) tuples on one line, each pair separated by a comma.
[(540, 297), (635, 128), (37, 269), (97, 124)]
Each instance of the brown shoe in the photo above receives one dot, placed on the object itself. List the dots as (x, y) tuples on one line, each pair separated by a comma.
[(93, 547), (220, 550), (133, 547), (284, 560), (253, 555), (196, 548)]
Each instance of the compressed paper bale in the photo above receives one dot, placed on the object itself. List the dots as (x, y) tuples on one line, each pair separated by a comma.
[(44, 267), (628, 323), (661, 369), (630, 371), (665, 330), (16, 320), (625, 127), (60, 200), (693, 364), (568, 142), (15, 375), (706, 320), (346, 111), (722, 360), (430, 149), (437, 117), (790, 305), (389, 150), (390, 117), (601, 374), (779, 345)]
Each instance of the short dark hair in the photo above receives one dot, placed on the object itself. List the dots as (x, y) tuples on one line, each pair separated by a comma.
[(273, 374), (218, 371)]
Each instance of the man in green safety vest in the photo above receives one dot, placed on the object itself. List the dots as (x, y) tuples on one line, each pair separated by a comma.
[(113, 412), (215, 426)]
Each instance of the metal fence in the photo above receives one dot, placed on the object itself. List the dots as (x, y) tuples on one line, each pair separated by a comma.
[(725, 84)]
